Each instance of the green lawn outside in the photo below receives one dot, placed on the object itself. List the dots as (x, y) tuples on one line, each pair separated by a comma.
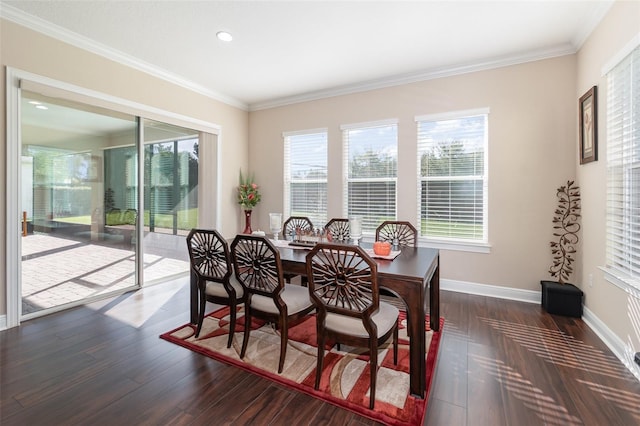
[(187, 219), (437, 228)]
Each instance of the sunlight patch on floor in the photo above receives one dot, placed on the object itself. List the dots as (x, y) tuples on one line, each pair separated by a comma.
[(559, 348), (626, 400), (545, 407), (141, 305)]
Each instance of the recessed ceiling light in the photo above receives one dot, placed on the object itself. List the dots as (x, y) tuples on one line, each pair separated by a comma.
[(34, 102), (224, 36), (41, 107)]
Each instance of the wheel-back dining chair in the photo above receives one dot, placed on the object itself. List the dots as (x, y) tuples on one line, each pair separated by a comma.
[(288, 228), (258, 268), (295, 222), (339, 229), (343, 283), (398, 233), (211, 264)]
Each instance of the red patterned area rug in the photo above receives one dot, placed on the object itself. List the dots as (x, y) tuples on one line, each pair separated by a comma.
[(345, 379)]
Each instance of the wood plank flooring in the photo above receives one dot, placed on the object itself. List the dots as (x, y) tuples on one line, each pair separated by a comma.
[(501, 363)]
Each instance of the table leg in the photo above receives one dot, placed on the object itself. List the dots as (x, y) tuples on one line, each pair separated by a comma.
[(434, 299), (417, 347)]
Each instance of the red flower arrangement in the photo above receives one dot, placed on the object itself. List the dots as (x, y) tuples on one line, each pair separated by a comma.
[(248, 194)]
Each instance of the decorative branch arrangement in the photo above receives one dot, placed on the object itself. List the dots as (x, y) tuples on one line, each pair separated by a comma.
[(566, 228)]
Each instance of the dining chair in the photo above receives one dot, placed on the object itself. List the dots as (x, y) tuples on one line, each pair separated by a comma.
[(211, 264), (257, 266), (288, 228), (398, 233), (339, 229), (343, 284), (296, 222)]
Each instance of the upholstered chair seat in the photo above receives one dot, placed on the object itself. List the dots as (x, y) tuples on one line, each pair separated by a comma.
[(294, 296), (216, 289), (384, 319)]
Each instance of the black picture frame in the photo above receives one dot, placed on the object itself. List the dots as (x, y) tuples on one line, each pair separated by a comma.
[(588, 106)]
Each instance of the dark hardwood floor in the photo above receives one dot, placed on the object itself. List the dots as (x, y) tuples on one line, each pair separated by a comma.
[(500, 363)]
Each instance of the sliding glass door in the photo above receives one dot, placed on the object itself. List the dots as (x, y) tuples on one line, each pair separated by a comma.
[(99, 199), (74, 246), (80, 202)]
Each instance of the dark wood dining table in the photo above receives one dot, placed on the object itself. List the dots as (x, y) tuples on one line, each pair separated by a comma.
[(413, 275)]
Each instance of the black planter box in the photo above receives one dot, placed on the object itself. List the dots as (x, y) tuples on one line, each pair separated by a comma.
[(561, 299)]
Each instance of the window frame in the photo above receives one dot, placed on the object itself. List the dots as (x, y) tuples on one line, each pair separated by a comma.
[(462, 244), (621, 270), (288, 180), (367, 231)]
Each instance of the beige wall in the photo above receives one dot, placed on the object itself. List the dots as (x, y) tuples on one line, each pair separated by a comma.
[(33, 52), (617, 309), (532, 137)]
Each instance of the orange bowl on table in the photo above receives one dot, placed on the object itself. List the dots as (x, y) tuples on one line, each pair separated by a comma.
[(382, 248)]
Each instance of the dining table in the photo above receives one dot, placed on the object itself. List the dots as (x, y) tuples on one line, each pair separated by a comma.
[(414, 275)]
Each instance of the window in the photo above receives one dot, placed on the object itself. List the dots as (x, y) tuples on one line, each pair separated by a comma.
[(370, 168), (452, 176), (305, 175), (623, 170)]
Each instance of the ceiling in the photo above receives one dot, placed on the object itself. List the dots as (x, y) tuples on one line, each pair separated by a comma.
[(288, 51)]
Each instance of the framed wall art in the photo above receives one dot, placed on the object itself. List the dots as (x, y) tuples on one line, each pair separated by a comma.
[(588, 126)]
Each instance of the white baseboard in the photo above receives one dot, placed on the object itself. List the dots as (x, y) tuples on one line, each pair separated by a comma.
[(491, 291), (622, 351)]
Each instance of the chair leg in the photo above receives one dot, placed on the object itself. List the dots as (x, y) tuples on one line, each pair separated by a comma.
[(283, 344), (373, 365), (320, 362), (203, 302), (408, 320), (395, 346), (232, 322), (247, 329)]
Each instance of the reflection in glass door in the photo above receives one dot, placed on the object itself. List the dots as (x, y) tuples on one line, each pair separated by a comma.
[(79, 236)]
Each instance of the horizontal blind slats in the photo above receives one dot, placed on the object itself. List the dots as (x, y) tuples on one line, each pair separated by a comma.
[(452, 176), (623, 167), (371, 169), (305, 176)]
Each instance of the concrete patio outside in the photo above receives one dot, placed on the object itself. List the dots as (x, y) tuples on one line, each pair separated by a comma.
[(58, 271)]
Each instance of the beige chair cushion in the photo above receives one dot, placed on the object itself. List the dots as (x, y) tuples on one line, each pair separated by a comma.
[(218, 290), (384, 319), (296, 298)]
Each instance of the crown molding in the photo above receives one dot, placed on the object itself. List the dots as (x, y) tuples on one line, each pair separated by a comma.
[(566, 49), (19, 17), (601, 8)]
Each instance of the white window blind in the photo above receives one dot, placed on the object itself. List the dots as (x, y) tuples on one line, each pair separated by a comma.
[(623, 169), (370, 159), (452, 176), (305, 176)]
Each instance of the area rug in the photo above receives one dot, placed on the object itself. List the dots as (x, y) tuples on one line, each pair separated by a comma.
[(345, 379)]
